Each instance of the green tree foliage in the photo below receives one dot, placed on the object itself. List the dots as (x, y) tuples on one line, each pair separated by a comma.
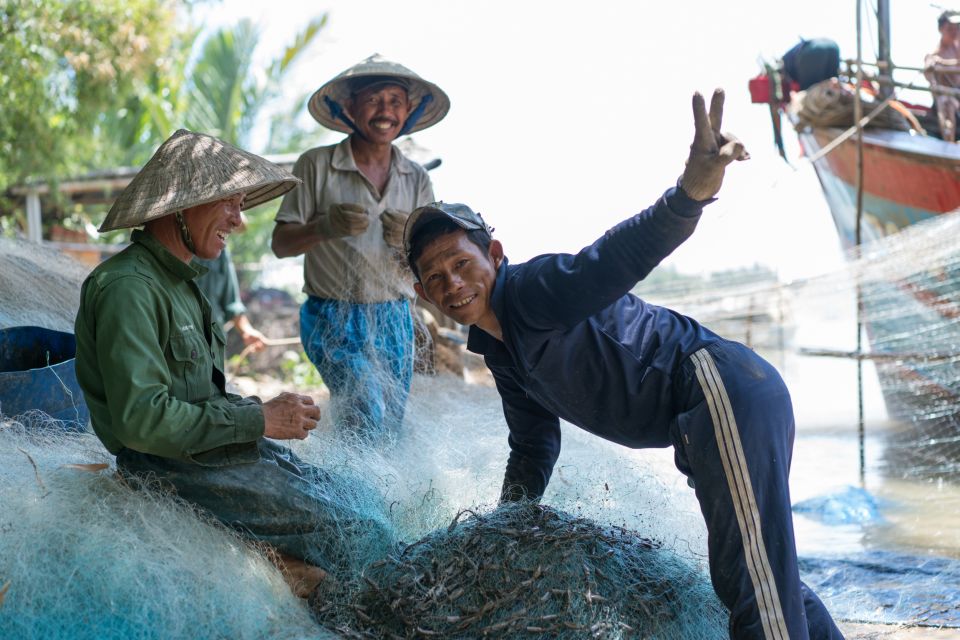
[(64, 66), (226, 96)]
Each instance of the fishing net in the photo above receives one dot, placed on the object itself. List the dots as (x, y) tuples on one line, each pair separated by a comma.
[(532, 571), (87, 555), (84, 555), (906, 284), (38, 286)]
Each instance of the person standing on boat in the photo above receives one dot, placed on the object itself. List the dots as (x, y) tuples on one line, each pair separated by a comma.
[(150, 362), (565, 339), (347, 220), (947, 54)]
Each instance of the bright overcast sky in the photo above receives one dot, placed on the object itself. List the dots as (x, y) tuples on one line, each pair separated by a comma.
[(568, 117)]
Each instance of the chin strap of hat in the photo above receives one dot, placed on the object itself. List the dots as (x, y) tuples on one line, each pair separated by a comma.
[(416, 114), (337, 112), (185, 233)]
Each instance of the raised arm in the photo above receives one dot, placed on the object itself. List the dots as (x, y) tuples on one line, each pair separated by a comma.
[(561, 290)]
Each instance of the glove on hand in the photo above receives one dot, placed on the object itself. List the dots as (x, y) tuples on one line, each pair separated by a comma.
[(344, 219), (393, 223), (711, 150)]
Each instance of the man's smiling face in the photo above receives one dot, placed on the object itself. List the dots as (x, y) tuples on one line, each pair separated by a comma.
[(458, 277), (380, 112), (211, 223)]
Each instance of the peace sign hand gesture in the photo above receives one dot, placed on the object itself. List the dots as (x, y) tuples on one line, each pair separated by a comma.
[(711, 150)]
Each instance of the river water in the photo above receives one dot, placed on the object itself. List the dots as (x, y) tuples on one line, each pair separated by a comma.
[(880, 541)]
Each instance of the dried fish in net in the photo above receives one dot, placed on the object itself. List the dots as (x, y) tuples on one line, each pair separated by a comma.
[(527, 571)]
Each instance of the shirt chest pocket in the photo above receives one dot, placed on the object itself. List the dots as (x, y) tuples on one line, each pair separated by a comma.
[(191, 367), (219, 346)]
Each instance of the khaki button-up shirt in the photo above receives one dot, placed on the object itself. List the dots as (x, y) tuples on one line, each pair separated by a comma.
[(150, 362), (357, 268)]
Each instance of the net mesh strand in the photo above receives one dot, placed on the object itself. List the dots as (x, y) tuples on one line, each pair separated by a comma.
[(87, 555), (908, 284)]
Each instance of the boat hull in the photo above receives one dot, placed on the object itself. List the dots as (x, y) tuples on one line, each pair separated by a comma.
[(906, 179)]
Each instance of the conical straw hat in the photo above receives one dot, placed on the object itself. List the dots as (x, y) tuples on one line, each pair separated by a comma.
[(190, 169), (339, 90)]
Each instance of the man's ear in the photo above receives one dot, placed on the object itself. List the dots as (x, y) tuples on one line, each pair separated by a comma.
[(419, 289), (495, 252)]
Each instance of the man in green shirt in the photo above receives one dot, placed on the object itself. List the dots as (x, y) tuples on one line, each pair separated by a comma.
[(150, 361)]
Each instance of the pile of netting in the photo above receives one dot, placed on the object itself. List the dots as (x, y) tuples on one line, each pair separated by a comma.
[(528, 571), (39, 286), (84, 555), (830, 103)]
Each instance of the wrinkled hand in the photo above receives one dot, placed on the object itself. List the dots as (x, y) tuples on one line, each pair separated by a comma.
[(290, 416), (344, 219), (711, 150), (393, 223)]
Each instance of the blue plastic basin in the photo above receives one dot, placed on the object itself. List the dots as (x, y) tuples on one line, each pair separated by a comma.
[(37, 373)]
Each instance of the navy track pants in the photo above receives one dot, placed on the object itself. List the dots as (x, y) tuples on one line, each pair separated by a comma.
[(734, 440)]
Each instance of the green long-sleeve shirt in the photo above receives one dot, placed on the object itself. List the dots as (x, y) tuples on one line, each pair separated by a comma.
[(150, 362)]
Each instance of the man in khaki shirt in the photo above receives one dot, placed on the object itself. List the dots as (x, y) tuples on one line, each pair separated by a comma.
[(347, 220)]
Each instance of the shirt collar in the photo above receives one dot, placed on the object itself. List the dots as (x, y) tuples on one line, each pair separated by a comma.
[(172, 263), (478, 340), (343, 158)]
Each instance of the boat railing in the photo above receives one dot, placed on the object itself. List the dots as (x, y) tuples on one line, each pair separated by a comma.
[(884, 76)]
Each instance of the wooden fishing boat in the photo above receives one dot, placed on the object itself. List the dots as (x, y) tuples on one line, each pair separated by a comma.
[(879, 182)]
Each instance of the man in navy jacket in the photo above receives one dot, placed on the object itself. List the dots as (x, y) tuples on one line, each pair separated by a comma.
[(564, 338)]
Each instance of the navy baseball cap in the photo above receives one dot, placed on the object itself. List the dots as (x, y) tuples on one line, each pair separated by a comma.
[(462, 215)]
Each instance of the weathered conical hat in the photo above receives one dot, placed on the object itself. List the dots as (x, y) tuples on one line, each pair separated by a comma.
[(435, 101), (190, 169)]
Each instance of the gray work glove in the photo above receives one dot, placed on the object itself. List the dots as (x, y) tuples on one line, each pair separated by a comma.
[(393, 223), (344, 219), (711, 150)]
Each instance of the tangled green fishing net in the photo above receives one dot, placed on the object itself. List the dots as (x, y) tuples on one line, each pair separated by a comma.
[(526, 571)]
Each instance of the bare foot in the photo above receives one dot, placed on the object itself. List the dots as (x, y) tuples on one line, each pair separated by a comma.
[(301, 577)]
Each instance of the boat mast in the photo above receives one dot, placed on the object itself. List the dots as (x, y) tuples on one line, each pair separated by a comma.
[(858, 122), (883, 43)]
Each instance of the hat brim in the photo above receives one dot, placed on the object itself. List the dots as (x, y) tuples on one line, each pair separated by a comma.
[(427, 214), (338, 90), (192, 169)]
